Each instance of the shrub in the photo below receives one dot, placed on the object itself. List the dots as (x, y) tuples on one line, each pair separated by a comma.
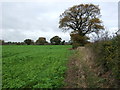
[(107, 54), (78, 40), (75, 45)]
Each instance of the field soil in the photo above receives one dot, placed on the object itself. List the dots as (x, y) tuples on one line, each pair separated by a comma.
[(84, 73)]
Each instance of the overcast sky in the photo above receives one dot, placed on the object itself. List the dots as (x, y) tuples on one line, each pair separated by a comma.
[(22, 20)]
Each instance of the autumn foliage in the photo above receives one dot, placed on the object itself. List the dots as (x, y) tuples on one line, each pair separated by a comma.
[(82, 19)]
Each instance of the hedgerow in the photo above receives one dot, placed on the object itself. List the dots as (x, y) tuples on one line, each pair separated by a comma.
[(107, 55)]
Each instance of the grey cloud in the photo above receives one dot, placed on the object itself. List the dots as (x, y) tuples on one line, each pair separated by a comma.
[(14, 35), (32, 20)]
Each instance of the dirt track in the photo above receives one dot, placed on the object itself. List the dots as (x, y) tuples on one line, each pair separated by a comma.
[(82, 71)]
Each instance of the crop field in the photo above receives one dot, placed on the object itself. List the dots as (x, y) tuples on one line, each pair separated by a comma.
[(32, 66)]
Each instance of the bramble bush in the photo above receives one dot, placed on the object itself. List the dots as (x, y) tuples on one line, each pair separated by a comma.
[(107, 54)]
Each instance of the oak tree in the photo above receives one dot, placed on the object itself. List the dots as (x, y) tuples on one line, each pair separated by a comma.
[(81, 19)]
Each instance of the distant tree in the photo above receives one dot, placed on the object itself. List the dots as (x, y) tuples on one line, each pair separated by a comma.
[(63, 42), (9, 43), (22, 43), (16, 43), (28, 41), (1, 42), (69, 42), (82, 19), (56, 40), (41, 41)]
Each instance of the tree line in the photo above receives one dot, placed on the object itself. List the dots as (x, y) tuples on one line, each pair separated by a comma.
[(56, 40)]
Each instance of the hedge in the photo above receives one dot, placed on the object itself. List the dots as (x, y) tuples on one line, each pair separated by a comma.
[(107, 55)]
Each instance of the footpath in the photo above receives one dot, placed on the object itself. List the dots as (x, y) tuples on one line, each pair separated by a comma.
[(83, 72)]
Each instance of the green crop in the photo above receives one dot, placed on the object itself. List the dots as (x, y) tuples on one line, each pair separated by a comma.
[(32, 66)]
